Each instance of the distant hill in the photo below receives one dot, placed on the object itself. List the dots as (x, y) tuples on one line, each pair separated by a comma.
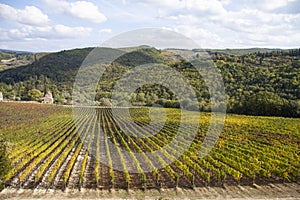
[(248, 74), (59, 67), (239, 52), (11, 58), (129, 49), (16, 51), (62, 66)]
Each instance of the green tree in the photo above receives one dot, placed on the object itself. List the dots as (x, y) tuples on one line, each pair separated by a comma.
[(265, 103), (34, 94)]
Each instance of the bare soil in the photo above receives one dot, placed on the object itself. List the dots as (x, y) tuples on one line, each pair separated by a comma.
[(290, 191)]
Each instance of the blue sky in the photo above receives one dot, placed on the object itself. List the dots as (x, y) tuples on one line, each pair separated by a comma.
[(53, 25)]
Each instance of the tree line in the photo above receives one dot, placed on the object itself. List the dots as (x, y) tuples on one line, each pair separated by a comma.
[(260, 83)]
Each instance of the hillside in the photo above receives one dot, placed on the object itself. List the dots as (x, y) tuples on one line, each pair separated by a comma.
[(11, 59), (240, 52), (265, 78)]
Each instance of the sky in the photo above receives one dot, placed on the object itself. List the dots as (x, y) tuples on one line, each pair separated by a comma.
[(54, 25)]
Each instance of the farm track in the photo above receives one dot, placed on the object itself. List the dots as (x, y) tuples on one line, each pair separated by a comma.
[(289, 191)]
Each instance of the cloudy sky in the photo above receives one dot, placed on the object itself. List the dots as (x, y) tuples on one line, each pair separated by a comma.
[(52, 25)]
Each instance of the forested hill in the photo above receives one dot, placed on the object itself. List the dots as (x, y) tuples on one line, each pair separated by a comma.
[(261, 83), (58, 67), (11, 59), (240, 52)]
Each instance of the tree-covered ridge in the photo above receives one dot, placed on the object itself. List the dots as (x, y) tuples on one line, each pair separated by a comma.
[(267, 79), (261, 78), (12, 59), (59, 67), (240, 52)]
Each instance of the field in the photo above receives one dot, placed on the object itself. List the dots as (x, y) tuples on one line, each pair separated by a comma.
[(47, 151)]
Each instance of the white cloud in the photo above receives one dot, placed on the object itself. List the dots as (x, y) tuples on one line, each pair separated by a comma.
[(225, 2), (58, 31), (212, 23), (105, 30), (203, 37), (201, 7), (245, 25), (30, 24), (79, 9), (272, 5), (166, 3), (256, 21), (183, 18), (66, 31), (208, 7), (30, 15), (265, 5)]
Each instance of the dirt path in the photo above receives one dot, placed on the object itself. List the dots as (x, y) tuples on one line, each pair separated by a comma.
[(290, 191)]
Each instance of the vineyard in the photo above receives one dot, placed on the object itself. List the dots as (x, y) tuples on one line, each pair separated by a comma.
[(47, 150)]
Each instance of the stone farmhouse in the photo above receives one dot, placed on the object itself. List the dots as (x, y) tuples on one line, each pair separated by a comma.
[(47, 98)]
